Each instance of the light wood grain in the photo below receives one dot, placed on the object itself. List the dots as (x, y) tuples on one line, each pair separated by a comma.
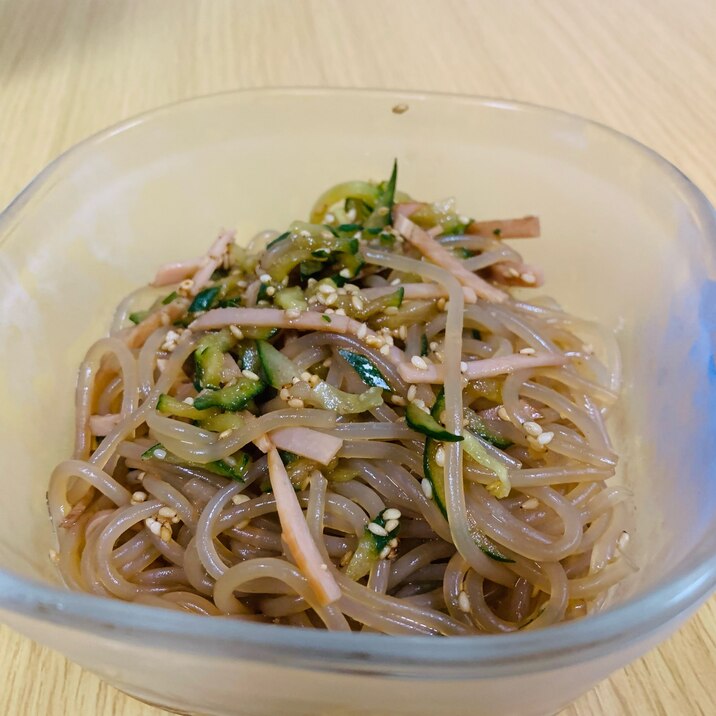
[(71, 67)]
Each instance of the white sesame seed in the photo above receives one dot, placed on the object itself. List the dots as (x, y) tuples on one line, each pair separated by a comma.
[(236, 332), (340, 312), (403, 332), (545, 438), (396, 399), (376, 529), (393, 543), (532, 442), (159, 453), (295, 403), (332, 299), (463, 366), (528, 351), (270, 291), (434, 345), (189, 400), (374, 341), (305, 376), (240, 499), (426, 487), (329, 219), (623, 541), (283, 394), (328, 311), (384, 552), (385, 350), (529, 277), (345, 273), (312, 282), (440, 456), (140, 476), (139, 496), (225, 433), (390, 525), (531, 504), (362, 330), (326, 289), (419, 362), (295, 380), (357, 302), (351, 288), (292, 313), (249, 374), (165, 533), (502, 414), (463, 602), (392, 513), (154, 527), (167, 512), (265, 278), (395, 282), (176, 520), (412, 390), (532, 428), (315, 380)]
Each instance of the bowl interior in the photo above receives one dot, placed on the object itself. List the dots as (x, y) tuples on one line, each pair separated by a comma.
[(626, 242)]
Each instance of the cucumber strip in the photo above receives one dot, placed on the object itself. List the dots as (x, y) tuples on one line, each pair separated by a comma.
[(426, 424), (232, 398), (501, 486), (478, 426), (233, 466), (326, 396), (138, 316), (278, 239), (259, 333), (434, 473), (209, 358), (293, 297), (168, 299), (278, 369), (204, 299), (369, 548), (366, 369), (222, 421), (168, 405), (490, 548), (384, 204)]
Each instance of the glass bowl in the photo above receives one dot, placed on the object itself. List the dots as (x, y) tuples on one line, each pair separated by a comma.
[(627, 240)]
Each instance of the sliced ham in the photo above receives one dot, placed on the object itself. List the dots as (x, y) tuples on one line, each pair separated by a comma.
[(135, 337), (487, 368), (308, 443), (439, 255), (417, 291), (297, 535), (525, 228), (199, 269)]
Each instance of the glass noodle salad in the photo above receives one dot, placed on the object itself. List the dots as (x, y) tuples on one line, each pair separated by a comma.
[(355, 424)]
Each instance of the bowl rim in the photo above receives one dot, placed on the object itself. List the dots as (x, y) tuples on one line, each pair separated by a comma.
[(483, 655)]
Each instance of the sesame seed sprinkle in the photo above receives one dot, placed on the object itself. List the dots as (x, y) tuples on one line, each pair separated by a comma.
[(376, 529), (419, 362), (249, 374), (545, 438), (426, 487), (390, 525), (295, 403), (531, 504), (502, 414), (463, 602), (412, 390), (532, 428), (240, 499), (392, 513), (265, 278), (528, 351)]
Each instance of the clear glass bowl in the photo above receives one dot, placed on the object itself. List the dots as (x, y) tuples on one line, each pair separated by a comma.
[(628, 240)]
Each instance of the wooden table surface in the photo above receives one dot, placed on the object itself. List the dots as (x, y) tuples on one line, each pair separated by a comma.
[(647, 67)]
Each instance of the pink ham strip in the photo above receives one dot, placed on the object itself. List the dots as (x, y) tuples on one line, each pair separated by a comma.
[(136, 336), (439, 255), (487, 368), (175, 272), (213, 259), (297, 535), (308, 443), (525, 228), (200, 269), (102, 425)]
